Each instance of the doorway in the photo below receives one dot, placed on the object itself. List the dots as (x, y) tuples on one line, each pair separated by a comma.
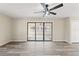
[(39, 31)]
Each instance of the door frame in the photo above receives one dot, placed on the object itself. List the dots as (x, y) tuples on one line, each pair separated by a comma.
[(43, 31)]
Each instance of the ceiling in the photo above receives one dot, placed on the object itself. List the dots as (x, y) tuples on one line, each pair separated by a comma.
[(22, 10)]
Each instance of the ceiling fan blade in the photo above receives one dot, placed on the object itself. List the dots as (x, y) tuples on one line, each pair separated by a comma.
[(53, 13), (39, 12), (58, 6), (44, 14), (43, 5)]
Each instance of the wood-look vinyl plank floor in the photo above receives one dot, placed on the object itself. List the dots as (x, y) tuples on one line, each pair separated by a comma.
[(39, 49)]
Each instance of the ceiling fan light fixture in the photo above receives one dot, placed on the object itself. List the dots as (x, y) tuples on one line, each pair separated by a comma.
[(47, 11)]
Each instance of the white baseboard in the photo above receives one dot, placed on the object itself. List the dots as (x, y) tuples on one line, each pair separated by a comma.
[(3, 43), (75, 42), (58, 40), (19, 41)]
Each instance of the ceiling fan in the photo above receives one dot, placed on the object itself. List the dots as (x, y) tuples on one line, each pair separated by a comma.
[(49, 11)]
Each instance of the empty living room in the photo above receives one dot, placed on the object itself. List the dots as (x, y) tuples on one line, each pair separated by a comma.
[(39, 29)]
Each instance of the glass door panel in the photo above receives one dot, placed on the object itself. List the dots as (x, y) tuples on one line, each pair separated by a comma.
[(31, 31), (39, 31), (47, 31)]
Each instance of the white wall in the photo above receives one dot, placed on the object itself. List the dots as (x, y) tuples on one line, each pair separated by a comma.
[(74, 31), (58, 30), (19, 31), (20, 28), (67, 30), (5, 30)]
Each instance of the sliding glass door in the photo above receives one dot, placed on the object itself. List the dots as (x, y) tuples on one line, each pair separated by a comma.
[(31, 31), (39, 31), (48, 31)]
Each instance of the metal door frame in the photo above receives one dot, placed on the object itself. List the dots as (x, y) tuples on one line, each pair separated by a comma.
[(43, 31)]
